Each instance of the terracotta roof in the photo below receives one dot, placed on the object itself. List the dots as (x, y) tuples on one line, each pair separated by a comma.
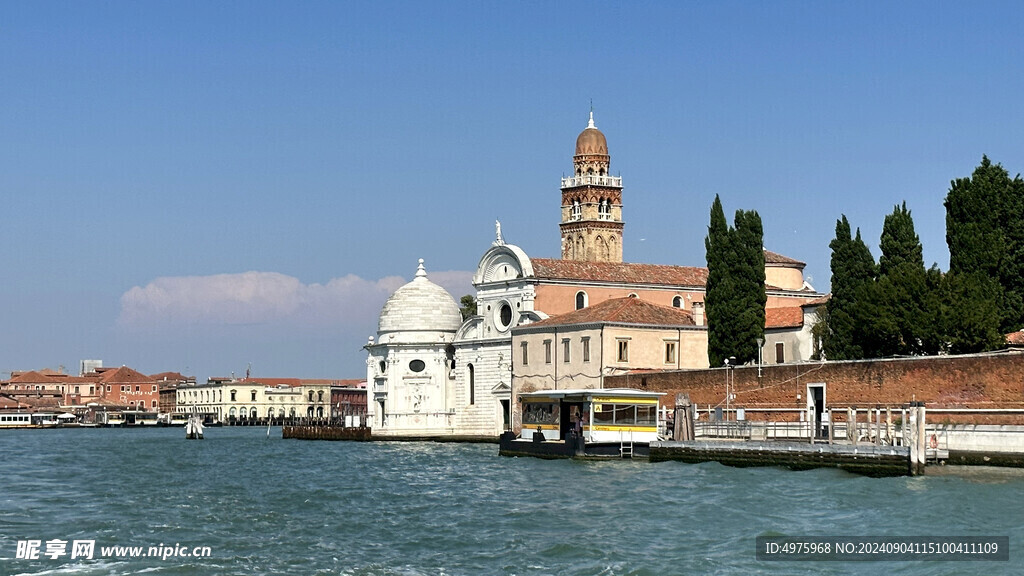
[(622, 311), (170, 376), (124, 375), (293, 382), (776, 258), (621, 272), (818, 301), (789, 317), (351, 383), (1015, 338), (32, 377)]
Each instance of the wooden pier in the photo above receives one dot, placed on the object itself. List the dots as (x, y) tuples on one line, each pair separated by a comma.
[(361, 433), (868, 460)]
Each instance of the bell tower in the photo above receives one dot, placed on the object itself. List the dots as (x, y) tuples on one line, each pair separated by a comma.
[(591, 202)]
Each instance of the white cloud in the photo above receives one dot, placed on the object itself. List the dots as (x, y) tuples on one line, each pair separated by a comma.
[(266, 298)]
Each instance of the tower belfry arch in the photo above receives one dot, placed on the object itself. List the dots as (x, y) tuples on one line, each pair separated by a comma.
[(592, 223)]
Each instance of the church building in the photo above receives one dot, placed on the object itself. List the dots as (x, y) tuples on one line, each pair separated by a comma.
[(430, 374)]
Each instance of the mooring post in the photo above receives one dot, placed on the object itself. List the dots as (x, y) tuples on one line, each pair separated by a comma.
[(917, 438), (888, 424), (683, 428), (831, 428), (851, 424), (878, 427)]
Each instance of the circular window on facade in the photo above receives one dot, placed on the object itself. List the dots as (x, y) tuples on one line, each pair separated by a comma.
[(417, 365), (504, 316)]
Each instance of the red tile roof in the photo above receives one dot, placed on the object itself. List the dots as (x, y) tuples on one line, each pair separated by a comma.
[(776, 258), (170, 377), (789, 317), (124, 375), (32, 377), (622, 272), (622, 311), (818, 301), (1015, 338)]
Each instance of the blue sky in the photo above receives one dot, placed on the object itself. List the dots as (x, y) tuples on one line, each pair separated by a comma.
[(197, 186)]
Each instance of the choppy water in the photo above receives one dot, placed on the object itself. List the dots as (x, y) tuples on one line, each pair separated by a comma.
[(273, 506)]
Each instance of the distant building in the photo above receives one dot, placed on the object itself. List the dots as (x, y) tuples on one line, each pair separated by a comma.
[(89, 366), (251, 401), (112, 387), (167, 385)]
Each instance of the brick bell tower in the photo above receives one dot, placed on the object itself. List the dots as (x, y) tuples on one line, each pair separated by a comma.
[(591, 203)]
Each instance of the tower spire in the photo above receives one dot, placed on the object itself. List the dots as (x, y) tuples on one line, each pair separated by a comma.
[(591, 123)]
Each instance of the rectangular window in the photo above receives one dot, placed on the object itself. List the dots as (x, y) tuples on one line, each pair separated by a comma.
[(253, 395), (526, 353), (138, 388), (780, 353), (547, 351), (623, 353), (670, 352), (586, 349), (565, 350)]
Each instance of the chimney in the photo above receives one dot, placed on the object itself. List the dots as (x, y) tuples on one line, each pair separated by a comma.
[(698, 313)]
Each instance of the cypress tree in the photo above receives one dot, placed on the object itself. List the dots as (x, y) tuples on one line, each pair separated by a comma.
[(902, 286), (735, 295), (717, 290), (853, 268), (750, 297)]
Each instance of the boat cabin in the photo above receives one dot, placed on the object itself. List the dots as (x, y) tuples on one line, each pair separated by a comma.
[(585, 422)]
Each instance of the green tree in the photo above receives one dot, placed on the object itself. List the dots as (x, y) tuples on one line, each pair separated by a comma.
[(902, 286), (750, 297), (853, 268), (734, 295), (467, 306), (970, 313), (985, 235), (717, 291)]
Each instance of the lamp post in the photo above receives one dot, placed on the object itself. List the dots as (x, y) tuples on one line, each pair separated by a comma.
[(760, 343), (730, 374)]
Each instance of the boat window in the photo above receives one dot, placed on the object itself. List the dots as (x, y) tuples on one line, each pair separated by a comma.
[(539, 413), (625, 414), (647, 415)]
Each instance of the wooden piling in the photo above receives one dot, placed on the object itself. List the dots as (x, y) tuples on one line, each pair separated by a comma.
[(683, 429)]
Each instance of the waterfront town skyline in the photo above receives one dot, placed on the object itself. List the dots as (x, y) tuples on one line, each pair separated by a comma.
[(202, 189)]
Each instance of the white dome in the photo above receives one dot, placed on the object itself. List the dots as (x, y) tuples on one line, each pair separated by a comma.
[(420, 306)]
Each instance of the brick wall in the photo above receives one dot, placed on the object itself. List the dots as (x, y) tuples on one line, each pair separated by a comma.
[(992, 381)]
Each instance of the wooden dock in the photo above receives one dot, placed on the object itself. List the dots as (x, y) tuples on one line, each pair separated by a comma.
[(868, 460)]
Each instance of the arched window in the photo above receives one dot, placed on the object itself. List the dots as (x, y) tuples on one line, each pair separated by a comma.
[(253, 413), (472, 383), (581, 300), (677, 302)]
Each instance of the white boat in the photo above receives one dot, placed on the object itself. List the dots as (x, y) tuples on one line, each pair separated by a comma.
[(194, 428)]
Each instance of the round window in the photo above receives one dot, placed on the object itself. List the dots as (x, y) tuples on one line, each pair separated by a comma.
[(505, 315), (417, 365)]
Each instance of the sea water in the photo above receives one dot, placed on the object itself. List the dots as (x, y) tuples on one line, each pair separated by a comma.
[(246, 503)]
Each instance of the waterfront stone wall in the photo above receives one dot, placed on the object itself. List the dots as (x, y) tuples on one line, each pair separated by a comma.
[(982, 381)]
